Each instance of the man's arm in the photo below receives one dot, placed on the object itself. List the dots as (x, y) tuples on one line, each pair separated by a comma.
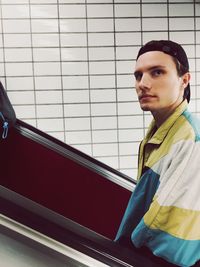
[(170, 227)]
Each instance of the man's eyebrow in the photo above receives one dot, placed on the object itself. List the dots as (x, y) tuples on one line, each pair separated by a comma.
[(157, 67)]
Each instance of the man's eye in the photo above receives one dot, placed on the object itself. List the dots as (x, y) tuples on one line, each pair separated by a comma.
[(138, 76), (157, 72)]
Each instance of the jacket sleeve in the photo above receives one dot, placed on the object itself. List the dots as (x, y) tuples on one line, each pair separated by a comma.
[(170, 228)]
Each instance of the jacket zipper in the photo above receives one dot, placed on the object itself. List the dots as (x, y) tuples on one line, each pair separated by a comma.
[(5, 126)]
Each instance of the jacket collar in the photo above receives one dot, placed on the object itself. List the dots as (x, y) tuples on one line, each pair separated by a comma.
[(161, 132)]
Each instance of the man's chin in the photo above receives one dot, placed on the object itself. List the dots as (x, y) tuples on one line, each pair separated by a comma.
[(145, 107)]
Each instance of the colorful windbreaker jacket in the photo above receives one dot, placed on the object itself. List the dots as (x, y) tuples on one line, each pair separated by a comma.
[(163, 212)]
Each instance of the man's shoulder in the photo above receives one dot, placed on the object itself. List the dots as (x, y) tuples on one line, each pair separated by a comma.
[(186, 127), (192, 123)]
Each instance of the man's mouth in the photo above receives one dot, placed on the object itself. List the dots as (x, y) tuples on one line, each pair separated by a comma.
[(145, 96)]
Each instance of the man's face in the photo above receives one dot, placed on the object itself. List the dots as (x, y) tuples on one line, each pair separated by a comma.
[(157, 82)]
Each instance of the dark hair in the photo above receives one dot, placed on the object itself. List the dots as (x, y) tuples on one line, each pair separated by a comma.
[(181, 70)]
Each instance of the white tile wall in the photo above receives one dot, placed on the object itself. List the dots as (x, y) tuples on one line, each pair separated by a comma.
[(197, 20), (103, 81), (49, 97), (103, 11), (130, 135), (197, 9), (127, 24), (79, 137), (44, 40), (157, 35), (130, 122), (106, 67), (74, 96), (44, 25), (154, 10), (108, 96), (158, 24), (128, 148), (26, 112), (103, 109), (108, 122), (17, 54), (72, 11), (74, 54), (105, 149), (181, 24), (127, 10), (47, 68), (19, 84), (101, 39), (68, 67), (185, 10), (127, 52), (77, 110), (16, 25), (101, 53), (127, 38), (75, 82), (127, 161), (50, 124), (19, 69), (48, 83), (73, 39), (49, 111), (46, 54), (74, 68), (43, 11), (15, 11), (105, 136)]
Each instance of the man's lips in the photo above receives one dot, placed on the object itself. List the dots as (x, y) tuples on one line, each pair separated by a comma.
[(145, 97)]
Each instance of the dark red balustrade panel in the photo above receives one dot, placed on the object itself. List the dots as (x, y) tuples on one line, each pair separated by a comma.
[(61, 184)]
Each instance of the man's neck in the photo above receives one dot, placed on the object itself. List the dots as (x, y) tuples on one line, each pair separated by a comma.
[(162, 115)]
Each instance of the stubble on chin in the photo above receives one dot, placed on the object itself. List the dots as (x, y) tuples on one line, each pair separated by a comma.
[(145, 107)]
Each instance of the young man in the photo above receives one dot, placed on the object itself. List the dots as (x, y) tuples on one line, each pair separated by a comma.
[(163, 213)]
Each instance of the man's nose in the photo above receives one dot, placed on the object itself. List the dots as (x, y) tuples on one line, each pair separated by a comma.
[(145, 82)]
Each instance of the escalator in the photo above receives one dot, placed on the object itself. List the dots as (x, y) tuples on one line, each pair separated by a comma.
[(61, 178), (62, 198), (36, 227)]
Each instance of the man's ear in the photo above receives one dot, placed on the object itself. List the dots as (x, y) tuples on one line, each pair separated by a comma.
[(186, 79)]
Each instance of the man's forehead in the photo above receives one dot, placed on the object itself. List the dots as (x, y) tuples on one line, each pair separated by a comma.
[(152, 59)]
